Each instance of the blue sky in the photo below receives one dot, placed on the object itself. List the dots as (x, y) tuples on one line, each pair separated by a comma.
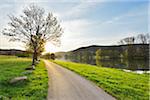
[(90, 22)]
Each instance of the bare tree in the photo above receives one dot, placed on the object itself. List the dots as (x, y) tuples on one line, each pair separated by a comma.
[(128, 40), (140, 38), (143, 38), (121, 42), (34, 28)]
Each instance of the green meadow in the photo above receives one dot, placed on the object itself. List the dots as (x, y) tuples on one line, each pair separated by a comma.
[(34, 88), (120, 84)]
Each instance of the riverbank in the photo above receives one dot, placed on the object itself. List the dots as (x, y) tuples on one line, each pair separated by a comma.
[(120, 84)]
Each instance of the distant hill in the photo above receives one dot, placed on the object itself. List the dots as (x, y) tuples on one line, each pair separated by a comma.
[(11, 52), (117, 48), (95, 47), (61, 55)]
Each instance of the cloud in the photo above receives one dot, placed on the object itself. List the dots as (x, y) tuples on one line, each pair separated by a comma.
[(81, 28), (79, 9), (136, 12), (80, 32), (75, 27)]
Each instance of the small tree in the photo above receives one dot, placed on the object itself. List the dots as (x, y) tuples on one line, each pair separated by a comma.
[(52, 56), (98, 53), (143, 38), (34, 29), (128, 40), (47, 56)]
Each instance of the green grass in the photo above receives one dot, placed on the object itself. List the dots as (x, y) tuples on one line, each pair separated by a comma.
[(35, 88), (120, 84)]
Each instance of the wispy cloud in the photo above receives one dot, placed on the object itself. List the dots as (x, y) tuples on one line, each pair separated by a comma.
[(78, 10), (86, 22), (137, 12)]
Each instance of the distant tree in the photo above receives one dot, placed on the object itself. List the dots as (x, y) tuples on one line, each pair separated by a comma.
[(128, 40), (46, 55), (98, 53), (121, 42), (115, 54), (143, 38), (140, 38), (124, 54), (52, 56), (34, 29), (85, 56)]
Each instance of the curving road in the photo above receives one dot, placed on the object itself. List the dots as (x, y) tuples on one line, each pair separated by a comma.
[(67, 85)]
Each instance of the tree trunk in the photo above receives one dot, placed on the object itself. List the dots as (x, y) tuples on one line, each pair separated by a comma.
[(36, 57), (35, 47), (33, 58)]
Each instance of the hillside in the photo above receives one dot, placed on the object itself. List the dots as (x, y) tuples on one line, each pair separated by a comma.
[(133, 57), (119, 48)]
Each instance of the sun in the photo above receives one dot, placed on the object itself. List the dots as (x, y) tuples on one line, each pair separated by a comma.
[(50, 48)]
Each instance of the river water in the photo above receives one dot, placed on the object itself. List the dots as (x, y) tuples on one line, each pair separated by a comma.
[(134, 65)]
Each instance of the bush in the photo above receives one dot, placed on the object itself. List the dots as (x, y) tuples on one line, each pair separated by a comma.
[(23, 55)]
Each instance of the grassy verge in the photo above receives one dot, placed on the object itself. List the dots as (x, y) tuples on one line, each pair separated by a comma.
[(35, 88), (122, 85)]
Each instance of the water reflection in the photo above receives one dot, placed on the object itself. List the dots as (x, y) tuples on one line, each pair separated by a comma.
[(126, 64), (130, 57), (120, 63)]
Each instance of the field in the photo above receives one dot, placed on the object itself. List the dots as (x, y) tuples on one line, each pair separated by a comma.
[(122, 85), (35, 88)]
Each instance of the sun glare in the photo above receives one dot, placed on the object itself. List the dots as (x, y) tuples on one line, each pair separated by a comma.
[(50, 47)]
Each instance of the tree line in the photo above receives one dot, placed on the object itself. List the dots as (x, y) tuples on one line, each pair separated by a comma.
[(125, 52), (139, 39)]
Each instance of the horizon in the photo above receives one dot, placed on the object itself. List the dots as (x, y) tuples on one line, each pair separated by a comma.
[(82, 47), (109, 21)]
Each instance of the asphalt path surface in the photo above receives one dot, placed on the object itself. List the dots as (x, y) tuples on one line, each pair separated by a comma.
[(67, 85)]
